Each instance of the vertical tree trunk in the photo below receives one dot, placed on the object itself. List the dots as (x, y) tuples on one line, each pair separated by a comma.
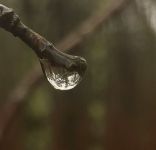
[(131, 106)]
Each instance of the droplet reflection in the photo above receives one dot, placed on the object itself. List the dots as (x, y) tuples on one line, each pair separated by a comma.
[(59, 77)]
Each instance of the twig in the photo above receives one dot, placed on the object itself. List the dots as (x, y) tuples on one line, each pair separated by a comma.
[(44, 49), (17, 96)]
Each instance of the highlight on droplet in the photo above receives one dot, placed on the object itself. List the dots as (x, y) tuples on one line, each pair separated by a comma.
[(59, 77)]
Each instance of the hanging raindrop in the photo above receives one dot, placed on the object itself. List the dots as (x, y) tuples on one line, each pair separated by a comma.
[(63, 71), (62, 78)]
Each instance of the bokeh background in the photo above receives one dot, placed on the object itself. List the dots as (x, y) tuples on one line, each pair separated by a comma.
[(114, 107)]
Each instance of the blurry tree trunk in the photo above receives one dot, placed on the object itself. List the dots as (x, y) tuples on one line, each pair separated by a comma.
[(12, 138), (71, 125), (131, 124)]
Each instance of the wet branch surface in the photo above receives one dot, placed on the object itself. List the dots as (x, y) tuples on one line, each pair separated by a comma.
[(44, 49), (11, 22)]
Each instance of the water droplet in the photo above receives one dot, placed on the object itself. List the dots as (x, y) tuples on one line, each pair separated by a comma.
[(59, 77)]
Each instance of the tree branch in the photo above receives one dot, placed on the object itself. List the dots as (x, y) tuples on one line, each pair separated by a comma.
[(44, 49), (33, 78)]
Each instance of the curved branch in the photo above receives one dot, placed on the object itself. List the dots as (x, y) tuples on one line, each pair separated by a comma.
[(23, 89), (11, 22)]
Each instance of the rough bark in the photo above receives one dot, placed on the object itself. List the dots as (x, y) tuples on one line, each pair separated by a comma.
[(44, 49)]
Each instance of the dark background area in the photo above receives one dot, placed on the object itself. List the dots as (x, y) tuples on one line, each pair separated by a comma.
[(114, 107)]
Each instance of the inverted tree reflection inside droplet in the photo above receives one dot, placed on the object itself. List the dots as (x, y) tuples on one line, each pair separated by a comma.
[(59, 77)]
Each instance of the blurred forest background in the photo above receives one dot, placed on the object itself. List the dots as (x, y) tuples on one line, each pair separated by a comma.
[(114, 107)]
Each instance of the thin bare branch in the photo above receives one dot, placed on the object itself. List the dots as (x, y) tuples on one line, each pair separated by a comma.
[(23, 89), (44, 49)]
